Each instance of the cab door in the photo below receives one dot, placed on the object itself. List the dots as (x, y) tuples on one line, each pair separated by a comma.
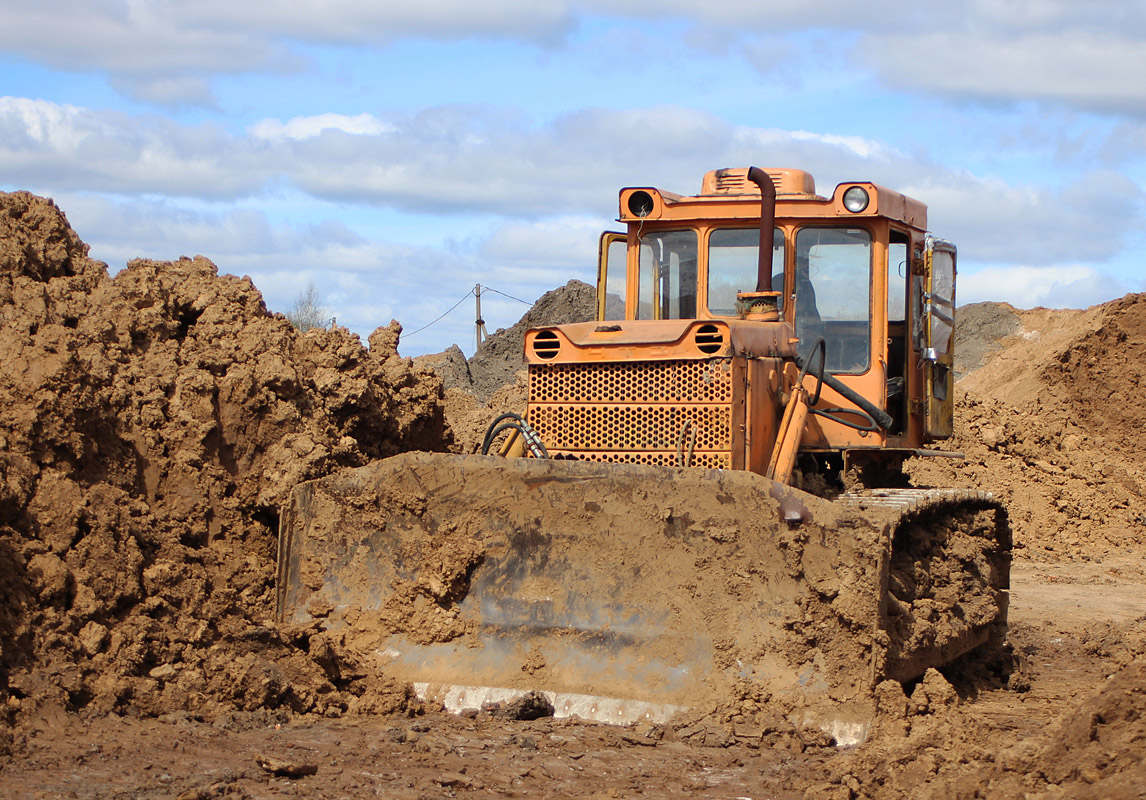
[(612, 275), (935, 336)]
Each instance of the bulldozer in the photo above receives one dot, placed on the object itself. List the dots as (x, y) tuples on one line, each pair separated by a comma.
[(704, 498)]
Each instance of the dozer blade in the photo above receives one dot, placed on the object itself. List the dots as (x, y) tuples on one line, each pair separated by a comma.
[(633, 591)]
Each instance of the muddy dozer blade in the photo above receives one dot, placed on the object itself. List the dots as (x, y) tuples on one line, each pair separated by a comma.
[(634, 590)]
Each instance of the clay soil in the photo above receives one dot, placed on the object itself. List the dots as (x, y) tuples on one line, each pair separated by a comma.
[(154, 421)]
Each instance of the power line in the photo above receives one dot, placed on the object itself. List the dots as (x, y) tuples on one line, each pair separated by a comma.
[(439, 319), (503, 294), (470, 293)]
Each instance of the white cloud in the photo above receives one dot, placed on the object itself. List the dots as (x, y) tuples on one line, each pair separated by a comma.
[(1080, 54), (50, 146), (168, 91), (1095, 71), (456, 159), (1068, 286), (565, 243), (857, 145), (459, 160), (161, 50), (138, 42), (366, 21), (1083, 55), (308, 127), (365, 282), (238, 239), (993, 221), (778, 15), (1007, 17)]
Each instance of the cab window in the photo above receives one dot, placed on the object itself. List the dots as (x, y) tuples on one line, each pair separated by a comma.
[(667, 281), (616, 250), (733, 261), (833, 287)]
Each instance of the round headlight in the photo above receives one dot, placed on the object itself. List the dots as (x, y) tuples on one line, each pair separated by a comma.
[(855, 199), (640, 204)]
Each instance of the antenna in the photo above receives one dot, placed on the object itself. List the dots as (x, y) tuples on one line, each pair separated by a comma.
[(480, 335)]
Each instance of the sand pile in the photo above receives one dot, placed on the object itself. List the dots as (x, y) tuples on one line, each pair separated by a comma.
[(151, 426), (1053, 425)]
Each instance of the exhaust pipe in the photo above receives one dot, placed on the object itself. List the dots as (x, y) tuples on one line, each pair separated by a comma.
[(767, 224)]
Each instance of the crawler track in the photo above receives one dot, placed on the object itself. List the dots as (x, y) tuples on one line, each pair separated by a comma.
[(948, 574)]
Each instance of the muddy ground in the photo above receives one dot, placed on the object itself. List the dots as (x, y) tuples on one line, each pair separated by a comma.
[(152, 423), (1077, 732)]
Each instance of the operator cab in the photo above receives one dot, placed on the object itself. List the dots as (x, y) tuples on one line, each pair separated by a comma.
[(857, 269)]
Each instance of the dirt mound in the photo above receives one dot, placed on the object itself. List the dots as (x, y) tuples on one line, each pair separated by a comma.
[(1101, 375), (451, 366), (153, 423), (1097, 753), (1013, 371), (36, 242), (1052, 425), (151, 426), (469, 420), (499, 358), (980, 329)]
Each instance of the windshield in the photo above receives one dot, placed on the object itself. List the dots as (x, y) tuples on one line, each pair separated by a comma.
[(733, 261), (833, 269), (667, 285)]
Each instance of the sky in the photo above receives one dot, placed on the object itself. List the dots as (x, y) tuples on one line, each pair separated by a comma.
[(396, 154)]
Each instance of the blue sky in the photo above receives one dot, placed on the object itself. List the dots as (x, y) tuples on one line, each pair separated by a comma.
[(396, 154)]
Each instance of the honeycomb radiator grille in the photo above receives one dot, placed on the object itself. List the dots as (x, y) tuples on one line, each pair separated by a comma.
[(635, 412), (671, 382), (699, 459)]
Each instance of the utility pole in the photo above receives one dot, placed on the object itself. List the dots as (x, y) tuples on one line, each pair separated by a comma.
[(480, 335)]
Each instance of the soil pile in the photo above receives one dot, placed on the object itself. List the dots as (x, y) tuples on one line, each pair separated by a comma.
[(1053, 425), (1051, 422), (1097, 752), (151, 426), (980, 329), (497, 361)]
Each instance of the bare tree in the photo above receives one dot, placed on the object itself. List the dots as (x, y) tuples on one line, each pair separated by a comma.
[(308, 311)]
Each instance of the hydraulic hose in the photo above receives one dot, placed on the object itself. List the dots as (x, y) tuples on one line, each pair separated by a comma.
[(515, 423), (868, 424), (881, 417), (820, 347)]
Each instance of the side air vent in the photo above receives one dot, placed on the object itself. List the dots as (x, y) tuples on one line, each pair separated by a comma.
[(709, 339), (546, 344)]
